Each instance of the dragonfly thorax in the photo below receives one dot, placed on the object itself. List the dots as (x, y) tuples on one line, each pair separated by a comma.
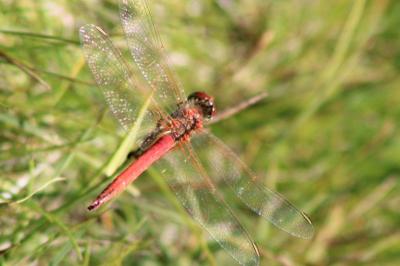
[(189, 116), (186, 119)]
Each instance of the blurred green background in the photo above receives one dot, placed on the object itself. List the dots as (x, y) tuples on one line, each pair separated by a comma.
[(327, 135)]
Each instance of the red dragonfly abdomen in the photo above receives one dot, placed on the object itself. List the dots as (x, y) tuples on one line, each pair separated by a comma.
[(135, 169)]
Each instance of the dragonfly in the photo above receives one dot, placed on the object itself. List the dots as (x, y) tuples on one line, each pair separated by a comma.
[(173, 138)]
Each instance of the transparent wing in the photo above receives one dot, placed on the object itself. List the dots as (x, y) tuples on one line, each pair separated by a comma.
[(181, 166), (122, 93), (146, 49), (223, 165)]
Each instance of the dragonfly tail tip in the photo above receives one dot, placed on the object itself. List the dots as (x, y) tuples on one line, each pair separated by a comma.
[(94, 205)]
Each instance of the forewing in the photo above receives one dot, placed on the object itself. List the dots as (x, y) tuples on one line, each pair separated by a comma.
[(224, 165), (184, 173), (114, 77), (147, 51)]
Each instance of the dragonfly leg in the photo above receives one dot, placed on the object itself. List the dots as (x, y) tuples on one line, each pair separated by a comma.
[(134, 154)]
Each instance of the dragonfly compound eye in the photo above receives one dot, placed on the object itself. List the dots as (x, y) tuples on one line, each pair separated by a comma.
[(205, 102)]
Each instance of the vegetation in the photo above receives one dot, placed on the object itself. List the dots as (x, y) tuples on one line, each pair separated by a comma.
[(327, 136)]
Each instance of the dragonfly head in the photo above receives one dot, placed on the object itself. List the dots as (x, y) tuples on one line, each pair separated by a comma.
[(204, 102)]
